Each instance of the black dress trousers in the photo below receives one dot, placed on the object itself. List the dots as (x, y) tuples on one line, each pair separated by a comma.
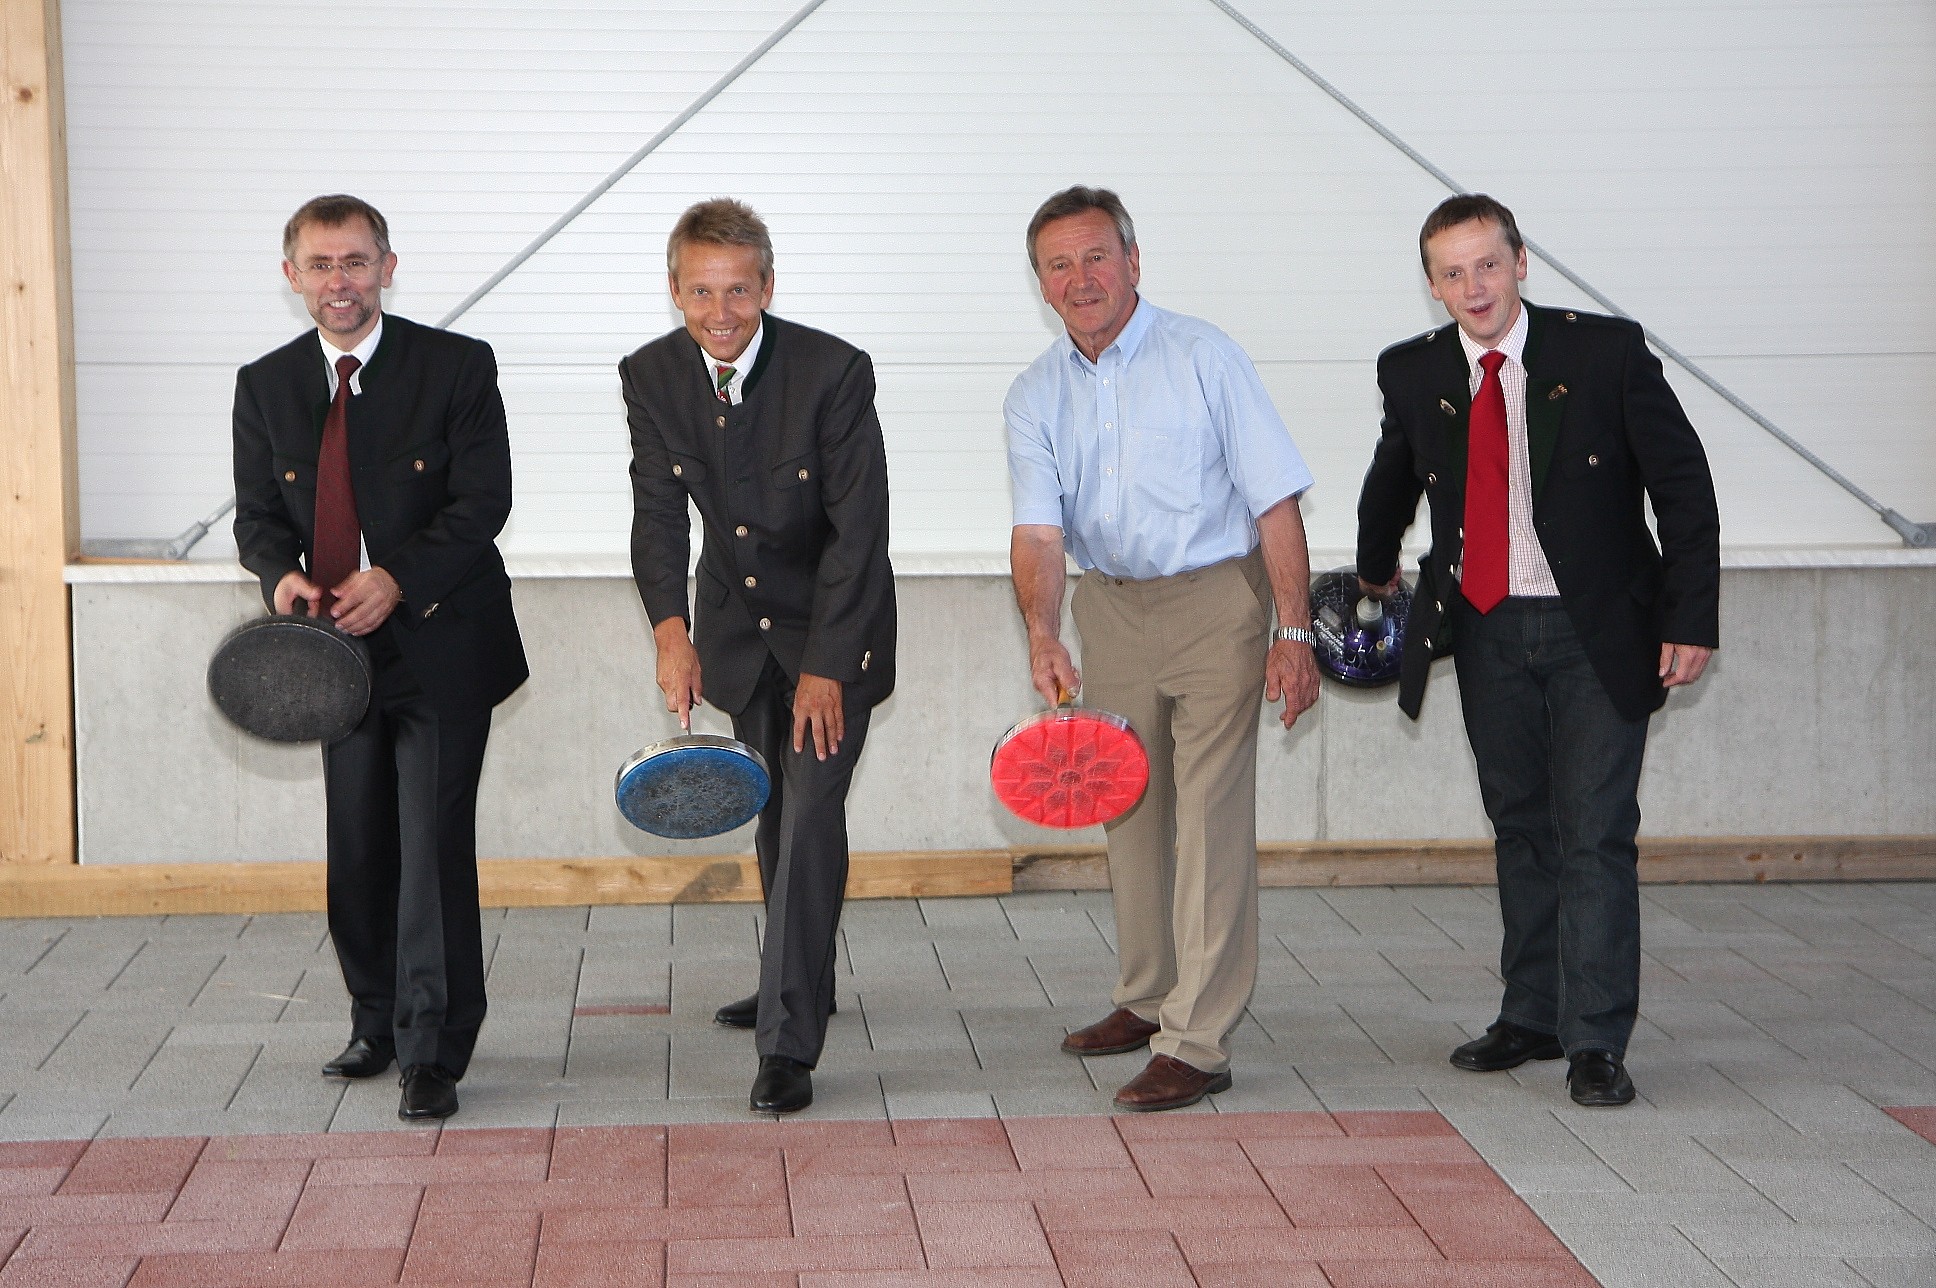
[(401, 791), (802, 845)]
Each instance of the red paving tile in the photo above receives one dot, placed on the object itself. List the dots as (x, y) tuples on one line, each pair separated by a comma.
[(1919, 1119), (81, 1272), (265, 1189), (600, 1265), (360, 1217), (1294, 1200), (960, 1236)]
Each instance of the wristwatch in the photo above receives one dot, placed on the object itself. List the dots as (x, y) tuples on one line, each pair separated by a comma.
[(1295, 634)]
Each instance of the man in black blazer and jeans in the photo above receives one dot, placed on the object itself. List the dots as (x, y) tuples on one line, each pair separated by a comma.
[(1539, 435), (429, 476), (769, 428)]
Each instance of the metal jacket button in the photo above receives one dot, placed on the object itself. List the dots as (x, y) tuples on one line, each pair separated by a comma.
[(752, 582), (803, 476), (766, 623), (1592, 460), (289, 476), (418, 466), (678, 470), (1432, 478), (720, 421), (740, 531)]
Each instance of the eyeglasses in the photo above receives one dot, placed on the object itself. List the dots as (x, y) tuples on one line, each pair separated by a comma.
[(355, 267)]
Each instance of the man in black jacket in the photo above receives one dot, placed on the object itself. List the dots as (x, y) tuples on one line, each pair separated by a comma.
[(1539, 435), (769, 427), (402, 424)]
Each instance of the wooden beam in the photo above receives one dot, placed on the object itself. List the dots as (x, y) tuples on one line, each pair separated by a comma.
[(145, 889), (38, 523)]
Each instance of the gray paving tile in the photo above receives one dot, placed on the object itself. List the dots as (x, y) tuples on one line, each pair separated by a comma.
[(1790, 1272)]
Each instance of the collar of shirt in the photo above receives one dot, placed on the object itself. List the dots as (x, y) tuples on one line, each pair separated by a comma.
[(362, 353), (742, 366), (1512, 346), (1127, 341)]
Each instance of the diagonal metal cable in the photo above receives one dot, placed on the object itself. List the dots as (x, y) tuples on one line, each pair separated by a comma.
[(1911, 532), (651, 145)]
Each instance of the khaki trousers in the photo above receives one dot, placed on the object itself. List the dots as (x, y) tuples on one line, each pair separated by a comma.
[(1182, 659)]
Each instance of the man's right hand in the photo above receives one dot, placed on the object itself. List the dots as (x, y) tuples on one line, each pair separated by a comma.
[(678, 669), (1385, 591), (294, 587), (1053, 672)]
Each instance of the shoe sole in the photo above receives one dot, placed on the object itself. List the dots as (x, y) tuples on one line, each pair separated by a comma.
[(1217, 1084), (1553, 1052), (1137, 1045)]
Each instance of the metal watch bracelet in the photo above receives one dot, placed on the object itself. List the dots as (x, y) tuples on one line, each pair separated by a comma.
[(1295, 634)]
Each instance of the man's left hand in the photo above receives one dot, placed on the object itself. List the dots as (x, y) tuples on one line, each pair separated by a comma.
[(1682, 663), (816, 707), (365, 600), (1291, 672)]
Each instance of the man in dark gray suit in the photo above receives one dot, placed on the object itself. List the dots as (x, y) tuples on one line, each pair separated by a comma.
[(769, 428)]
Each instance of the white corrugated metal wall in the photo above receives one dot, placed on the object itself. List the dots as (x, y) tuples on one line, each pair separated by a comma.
[(1756, 181)]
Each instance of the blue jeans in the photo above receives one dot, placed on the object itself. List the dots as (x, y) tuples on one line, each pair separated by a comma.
[(1559, 772)]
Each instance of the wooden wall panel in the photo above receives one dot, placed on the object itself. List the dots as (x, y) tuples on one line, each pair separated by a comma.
[(37, 460)]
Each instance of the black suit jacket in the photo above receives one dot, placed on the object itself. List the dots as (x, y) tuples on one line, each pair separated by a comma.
[(430, 463), (1604, 431), (791, 487)]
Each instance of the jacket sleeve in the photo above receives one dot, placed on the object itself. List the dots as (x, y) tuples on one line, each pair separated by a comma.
[(661, 530), (267, 539), (1389, 500), (477, 501), (1674, 470), (852, 585)]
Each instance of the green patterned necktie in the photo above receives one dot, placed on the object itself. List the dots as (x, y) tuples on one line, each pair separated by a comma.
[(726, 375)]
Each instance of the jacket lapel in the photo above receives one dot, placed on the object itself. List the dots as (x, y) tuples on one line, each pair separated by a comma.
[(366, 412), (1453, 381), (1545, 403)]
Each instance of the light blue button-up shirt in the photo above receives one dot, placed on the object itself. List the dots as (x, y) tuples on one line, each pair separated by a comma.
[(1155, 459)]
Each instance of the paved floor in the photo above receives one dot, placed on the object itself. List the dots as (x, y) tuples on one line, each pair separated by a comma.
[(1779, 1023)]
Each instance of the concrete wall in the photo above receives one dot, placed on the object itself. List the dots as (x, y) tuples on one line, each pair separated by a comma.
[(1817, 718)]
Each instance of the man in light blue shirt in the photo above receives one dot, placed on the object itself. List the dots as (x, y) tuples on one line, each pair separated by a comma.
[(1143, 445)]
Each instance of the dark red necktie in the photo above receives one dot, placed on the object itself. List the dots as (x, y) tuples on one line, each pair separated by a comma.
[(338, 547), (1483, 575)]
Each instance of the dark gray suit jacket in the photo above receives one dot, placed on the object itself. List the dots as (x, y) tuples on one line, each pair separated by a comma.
[(791, 487), (1605, 436), (430, 462)]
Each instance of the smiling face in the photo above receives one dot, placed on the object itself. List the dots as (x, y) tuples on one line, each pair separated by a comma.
[(1476, 275), (720, 290), (345, 301), (1087, 277)]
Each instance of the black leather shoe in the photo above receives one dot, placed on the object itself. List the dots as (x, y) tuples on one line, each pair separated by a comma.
[(1596, 1078), (362, 1058), (783, 1086), (1506, 1046), (428, 1092), (745, 1013)]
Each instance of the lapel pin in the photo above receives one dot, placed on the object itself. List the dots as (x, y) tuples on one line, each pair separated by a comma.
[(1448, 408), (1559, 391)]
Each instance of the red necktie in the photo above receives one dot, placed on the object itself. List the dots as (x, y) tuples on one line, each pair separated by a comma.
[(1483, 575), (337, 550)]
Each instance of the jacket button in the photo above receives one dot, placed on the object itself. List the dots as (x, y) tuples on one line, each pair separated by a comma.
[(720, 421), (1593, 460), (766, 623), (418, 466), (1572, 317), (803, 476), (740, 531), (678, 470), (289, 476), (1432, 478), (752, 582)]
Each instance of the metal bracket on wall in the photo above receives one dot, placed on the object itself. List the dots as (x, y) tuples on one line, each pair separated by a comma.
[(1920, 535)]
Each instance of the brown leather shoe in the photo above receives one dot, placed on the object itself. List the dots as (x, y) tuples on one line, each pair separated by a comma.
[(1120, 1030), (1168, 1083)]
